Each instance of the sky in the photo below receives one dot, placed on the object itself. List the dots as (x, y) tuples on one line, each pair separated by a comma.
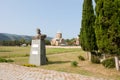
[(22, 17)]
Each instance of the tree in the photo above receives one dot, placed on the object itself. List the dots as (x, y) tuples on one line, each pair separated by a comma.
[(107, 26), (22, 41), (47, 42), (70, 42), (87, 34)]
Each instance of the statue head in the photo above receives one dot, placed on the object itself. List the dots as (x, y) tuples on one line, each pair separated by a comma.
[(39, 35), (38, 31)]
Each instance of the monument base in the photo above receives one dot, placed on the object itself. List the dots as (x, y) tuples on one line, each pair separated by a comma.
[(38, 52)]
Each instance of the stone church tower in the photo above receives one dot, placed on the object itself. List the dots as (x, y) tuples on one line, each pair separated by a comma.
[(58, 40)]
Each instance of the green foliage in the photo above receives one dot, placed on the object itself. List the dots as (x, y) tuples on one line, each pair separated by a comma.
[(87, 34), (95, 59), (26, 55), (47, 42), (29, 65), (74, 63), (14, 43), (107, 26), (109, 63), (70, 41), (98, 54), (6, 60), (22, 41), (10, 60), (3, 60), (81, 58)]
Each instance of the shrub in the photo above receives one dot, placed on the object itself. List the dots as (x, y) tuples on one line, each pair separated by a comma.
[(74, 63), (10, 60), (95, 59), (109, 63), (81, 58), (6, 60), (29, 65), (47, 42), (26, 55), (3, 60)]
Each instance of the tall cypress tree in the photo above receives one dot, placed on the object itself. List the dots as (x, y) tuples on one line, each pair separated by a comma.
[(107, 26), (87, 34)]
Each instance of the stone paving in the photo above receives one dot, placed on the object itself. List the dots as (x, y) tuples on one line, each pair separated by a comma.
[(16, 72)]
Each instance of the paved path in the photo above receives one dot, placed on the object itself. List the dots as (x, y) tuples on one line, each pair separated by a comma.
[(16, 72)]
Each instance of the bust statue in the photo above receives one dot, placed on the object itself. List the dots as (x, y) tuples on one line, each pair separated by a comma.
[(39, 36), (38, 31)]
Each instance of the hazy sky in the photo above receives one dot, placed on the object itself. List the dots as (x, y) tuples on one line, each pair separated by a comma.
[(22, 17)]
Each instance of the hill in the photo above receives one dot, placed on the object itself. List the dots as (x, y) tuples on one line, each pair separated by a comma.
[(12, 37)]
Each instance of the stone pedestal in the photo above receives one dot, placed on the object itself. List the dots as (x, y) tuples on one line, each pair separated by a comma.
[(38, 52)]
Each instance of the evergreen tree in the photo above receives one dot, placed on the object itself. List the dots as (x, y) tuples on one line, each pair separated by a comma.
[(87, 34), (107, 26)]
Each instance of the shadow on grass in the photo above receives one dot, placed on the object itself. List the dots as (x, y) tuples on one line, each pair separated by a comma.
[(5, 51), (57, 62)]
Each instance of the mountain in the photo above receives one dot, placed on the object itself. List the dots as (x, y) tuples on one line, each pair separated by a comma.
[(12, 37)]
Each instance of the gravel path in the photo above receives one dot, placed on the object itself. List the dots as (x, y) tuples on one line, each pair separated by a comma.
[(16, 72)]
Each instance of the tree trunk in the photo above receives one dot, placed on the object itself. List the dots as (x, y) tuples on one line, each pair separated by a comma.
[(90, 56), (104, 56), (87, 55), (117, 63)]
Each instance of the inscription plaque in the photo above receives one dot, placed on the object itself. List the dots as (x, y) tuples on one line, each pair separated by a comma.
[(34, 52)]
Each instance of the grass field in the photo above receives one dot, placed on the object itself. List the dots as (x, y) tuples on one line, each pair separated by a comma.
[(60, 59)]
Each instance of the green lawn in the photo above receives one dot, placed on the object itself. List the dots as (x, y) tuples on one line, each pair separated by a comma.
[(50, 51), (60, 60)]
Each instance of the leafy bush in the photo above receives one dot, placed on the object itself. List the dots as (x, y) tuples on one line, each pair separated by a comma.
[(47, 42), (109, 63), (29, 65), (6, 60), (81, 58), (10, 60), (74, 63), (26, 55), (3, 60), (95, 59)]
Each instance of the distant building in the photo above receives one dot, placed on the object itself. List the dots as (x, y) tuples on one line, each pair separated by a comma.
[(58, 40)]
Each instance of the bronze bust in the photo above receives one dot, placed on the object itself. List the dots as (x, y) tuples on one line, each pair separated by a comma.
[(39, 36)]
